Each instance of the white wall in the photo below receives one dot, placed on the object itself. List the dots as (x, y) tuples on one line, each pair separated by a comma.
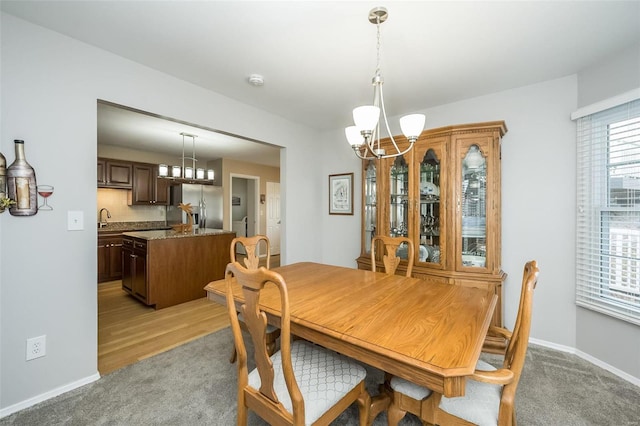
[(341, 233), (50, 84)]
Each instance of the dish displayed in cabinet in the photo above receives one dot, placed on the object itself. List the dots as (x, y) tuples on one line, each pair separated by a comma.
[(472, 260), (429, 189)]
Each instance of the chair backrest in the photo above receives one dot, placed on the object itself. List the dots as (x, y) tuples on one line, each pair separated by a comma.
[(517, 348), (251, 244), (390, 259), (264, 400)]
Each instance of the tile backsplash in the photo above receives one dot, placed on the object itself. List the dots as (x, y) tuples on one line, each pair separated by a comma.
[(116, 201)]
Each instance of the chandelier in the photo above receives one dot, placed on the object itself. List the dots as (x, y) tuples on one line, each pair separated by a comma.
[(187, 173), (364, 137)]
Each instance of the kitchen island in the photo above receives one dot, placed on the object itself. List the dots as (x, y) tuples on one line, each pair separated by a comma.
[(163, 268)]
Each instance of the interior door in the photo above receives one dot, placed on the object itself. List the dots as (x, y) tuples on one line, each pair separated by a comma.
[(273, 216)]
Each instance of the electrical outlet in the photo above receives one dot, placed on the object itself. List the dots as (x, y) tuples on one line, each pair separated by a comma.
[(36, 347)]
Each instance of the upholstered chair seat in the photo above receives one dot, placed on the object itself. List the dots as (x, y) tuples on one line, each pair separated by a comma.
[(312, 365), (480, 404)]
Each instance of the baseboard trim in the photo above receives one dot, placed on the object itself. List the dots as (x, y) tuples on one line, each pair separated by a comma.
[(593, 360), (48, 395)]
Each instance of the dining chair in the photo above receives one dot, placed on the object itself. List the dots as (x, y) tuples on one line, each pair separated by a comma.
[(489, 393), (390, 258), (300, 384), (251, 260)]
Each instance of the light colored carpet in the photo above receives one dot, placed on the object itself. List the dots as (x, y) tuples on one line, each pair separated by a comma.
[(194, 384)]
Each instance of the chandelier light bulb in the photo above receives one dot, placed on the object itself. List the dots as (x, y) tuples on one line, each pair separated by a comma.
[(366, 117), (188, 172), (354, 137), (412, 125), (163, 170)]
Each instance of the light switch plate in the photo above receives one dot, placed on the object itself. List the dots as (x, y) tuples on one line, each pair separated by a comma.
[(75, 220)]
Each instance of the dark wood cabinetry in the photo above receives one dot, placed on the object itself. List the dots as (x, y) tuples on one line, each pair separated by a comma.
[(134, 267), (147, 187), (114, 174), (109, 257), (166, 271), (141, 178)]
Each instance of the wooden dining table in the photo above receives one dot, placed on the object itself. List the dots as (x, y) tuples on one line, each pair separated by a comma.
[(426, 332)]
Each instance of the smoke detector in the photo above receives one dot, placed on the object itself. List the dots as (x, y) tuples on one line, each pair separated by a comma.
[(256, 80)]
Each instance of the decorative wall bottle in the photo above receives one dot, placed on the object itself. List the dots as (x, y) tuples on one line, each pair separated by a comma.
[(21, 184), (3, 176)]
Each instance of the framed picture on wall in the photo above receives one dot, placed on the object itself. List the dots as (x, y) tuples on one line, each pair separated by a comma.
[(235, 201), (341, 194)]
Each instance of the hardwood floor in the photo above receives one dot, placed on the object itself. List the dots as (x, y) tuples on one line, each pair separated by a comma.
[(129, 331)]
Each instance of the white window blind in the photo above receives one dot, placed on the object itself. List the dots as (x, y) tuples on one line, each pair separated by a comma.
[(608, 216)]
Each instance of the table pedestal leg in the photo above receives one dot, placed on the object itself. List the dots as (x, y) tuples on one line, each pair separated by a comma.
[(380, 402)]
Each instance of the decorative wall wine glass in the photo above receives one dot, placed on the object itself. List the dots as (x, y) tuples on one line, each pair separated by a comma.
[(45, 192)]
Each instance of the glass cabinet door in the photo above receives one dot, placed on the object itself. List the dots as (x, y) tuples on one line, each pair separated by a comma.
[(399, 203), (399, 194), (370, 205), (473, 206), (429, 209)]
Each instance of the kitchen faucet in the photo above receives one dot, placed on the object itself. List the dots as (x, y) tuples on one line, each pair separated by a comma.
[(103, 223)]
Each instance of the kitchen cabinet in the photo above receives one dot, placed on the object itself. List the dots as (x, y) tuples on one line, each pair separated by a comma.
[(114, 174), (147, 187), (134, 267), (165, 268), (109, 257), (444, 194)]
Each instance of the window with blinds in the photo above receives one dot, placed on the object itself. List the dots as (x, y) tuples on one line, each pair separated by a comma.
[(608, 214)]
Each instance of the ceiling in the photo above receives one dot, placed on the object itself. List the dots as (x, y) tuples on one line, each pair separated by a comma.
[(317, 57), (133, 129)]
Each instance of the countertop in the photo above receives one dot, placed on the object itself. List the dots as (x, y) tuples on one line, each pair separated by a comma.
[(119, 227), (169, 233)]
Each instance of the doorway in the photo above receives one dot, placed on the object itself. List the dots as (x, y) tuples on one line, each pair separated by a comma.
[(128, 330), (244, 205)]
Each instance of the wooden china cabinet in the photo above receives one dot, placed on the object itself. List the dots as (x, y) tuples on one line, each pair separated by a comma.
[(444, 194)]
